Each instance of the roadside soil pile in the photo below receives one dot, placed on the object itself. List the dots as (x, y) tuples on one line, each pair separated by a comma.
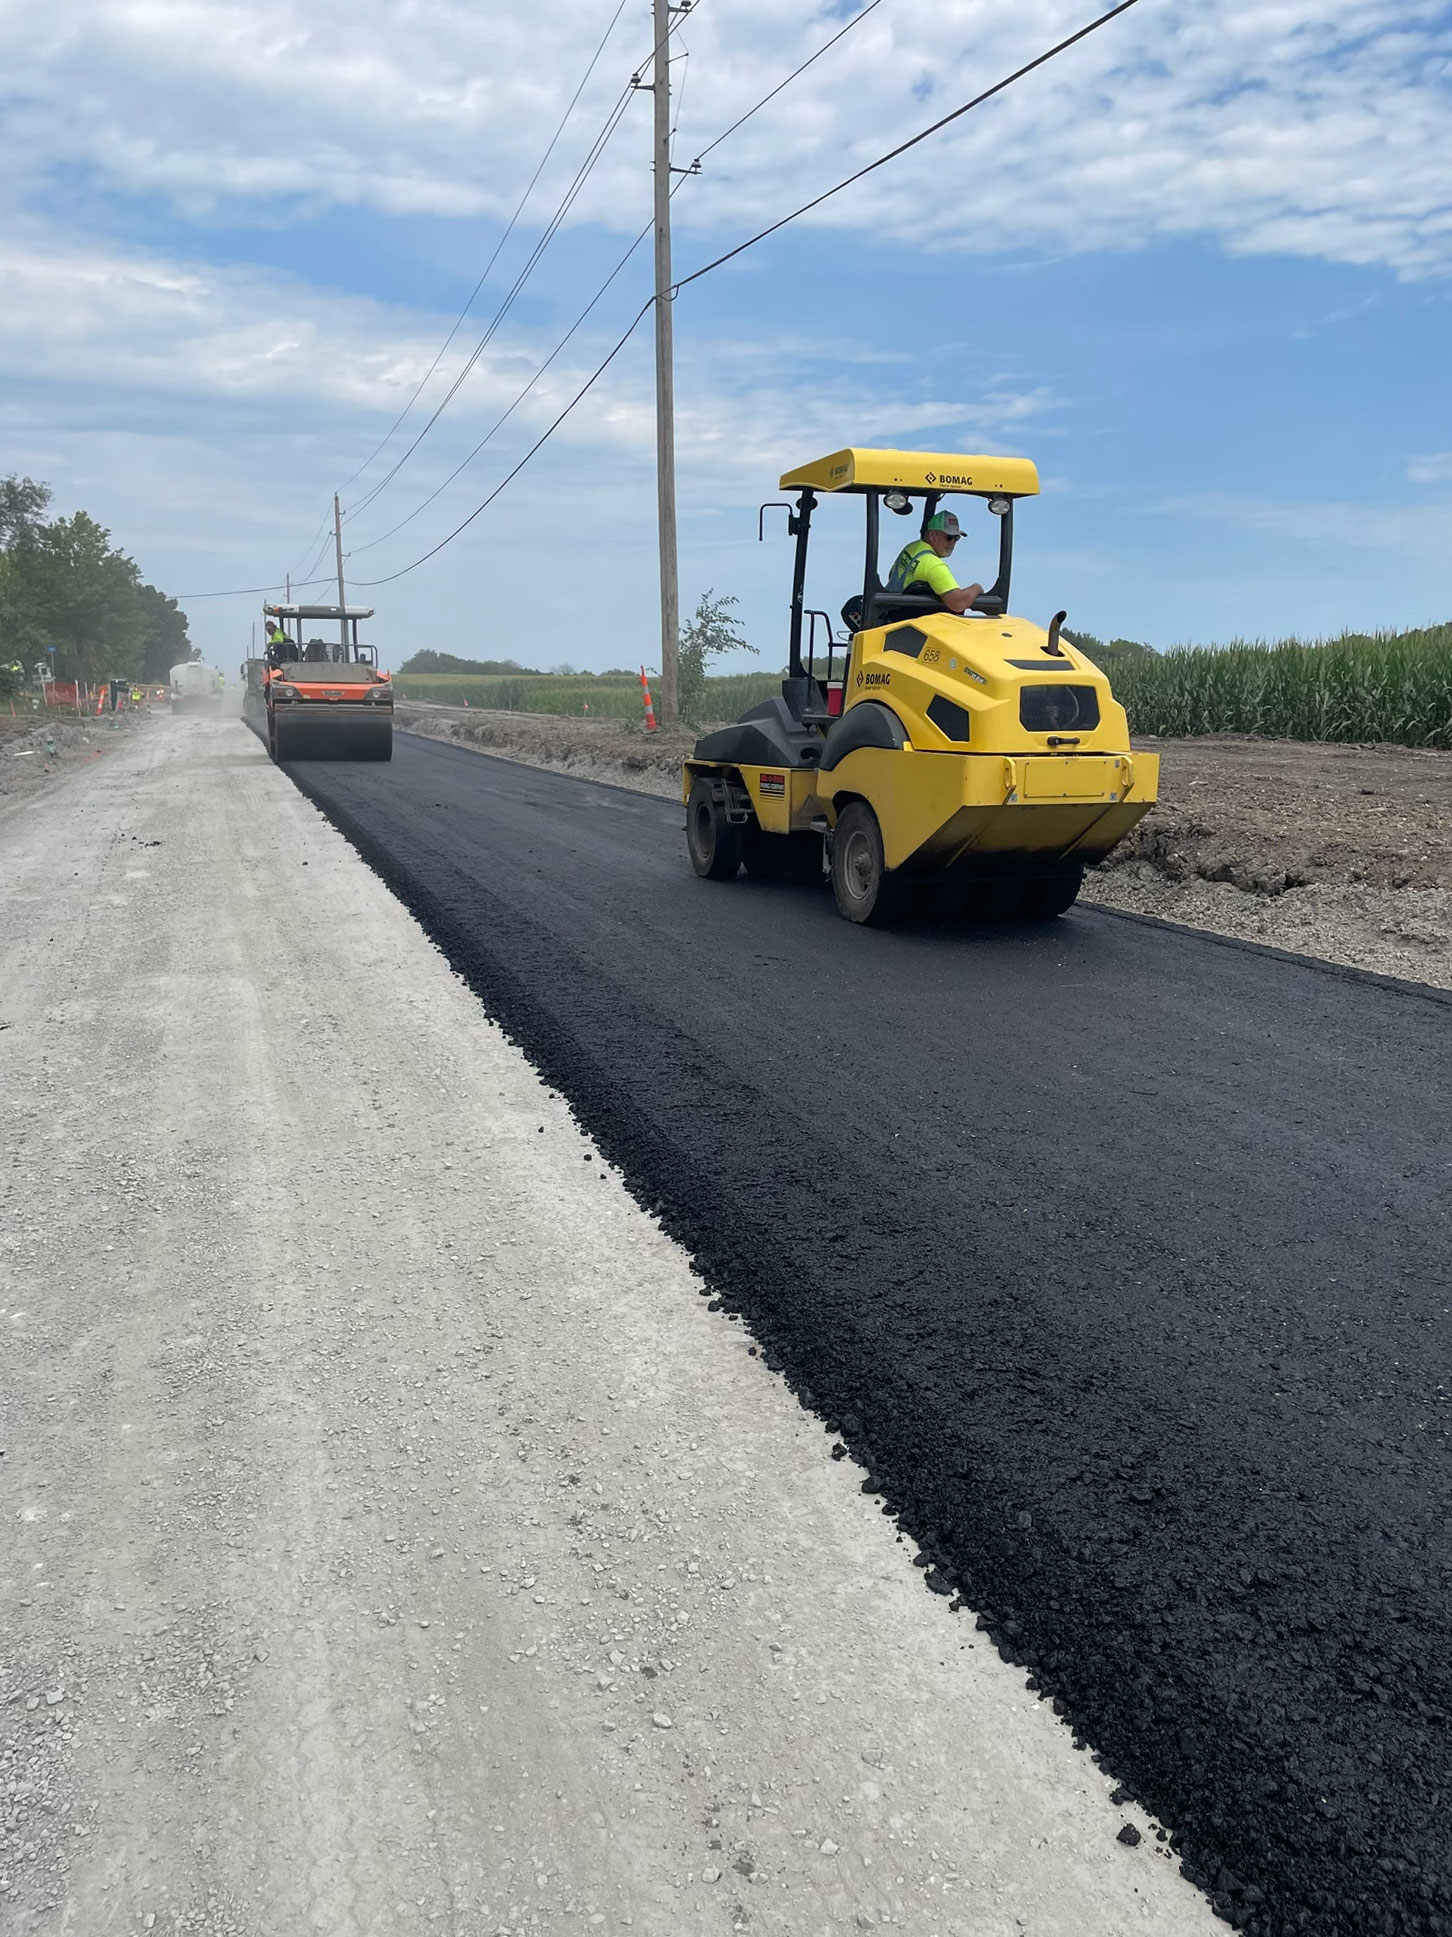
[(34, 749), (1339, 852)]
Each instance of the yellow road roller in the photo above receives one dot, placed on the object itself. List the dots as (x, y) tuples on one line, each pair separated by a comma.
[(935, 747)]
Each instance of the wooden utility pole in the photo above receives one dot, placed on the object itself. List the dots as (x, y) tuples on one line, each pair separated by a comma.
[(665, 398), (338, 551)]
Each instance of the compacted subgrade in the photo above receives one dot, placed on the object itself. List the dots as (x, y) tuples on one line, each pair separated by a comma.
[(1115, 1255)]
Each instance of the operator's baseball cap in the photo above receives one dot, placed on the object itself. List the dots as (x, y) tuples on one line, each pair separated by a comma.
[(946, 522)]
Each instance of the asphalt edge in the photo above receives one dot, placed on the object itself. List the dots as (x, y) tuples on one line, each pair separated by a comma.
[(1196, 1863)]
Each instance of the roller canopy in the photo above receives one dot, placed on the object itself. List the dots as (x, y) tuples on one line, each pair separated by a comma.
[(859, 470), (318, 611)]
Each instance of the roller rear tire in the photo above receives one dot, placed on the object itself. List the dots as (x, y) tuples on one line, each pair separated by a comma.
[(715, 844)]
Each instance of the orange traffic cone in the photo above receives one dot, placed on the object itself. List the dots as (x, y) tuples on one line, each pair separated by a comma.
[(649, 709)]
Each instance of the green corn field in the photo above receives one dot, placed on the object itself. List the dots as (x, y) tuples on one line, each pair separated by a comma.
[(1394, 688), (1389, 687), (604, 697)]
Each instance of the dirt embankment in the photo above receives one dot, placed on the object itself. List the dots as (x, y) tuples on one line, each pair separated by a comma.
[(35, 748), (1339, 852), (617, 751)]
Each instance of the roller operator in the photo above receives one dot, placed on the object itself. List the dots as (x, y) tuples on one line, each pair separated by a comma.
[(279, 646), (923, 565)]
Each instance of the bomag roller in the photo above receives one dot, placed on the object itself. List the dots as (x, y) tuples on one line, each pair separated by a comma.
[(974, 751), (314, 699)]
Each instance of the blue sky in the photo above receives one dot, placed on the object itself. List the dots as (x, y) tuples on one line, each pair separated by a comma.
[(1198, 270)]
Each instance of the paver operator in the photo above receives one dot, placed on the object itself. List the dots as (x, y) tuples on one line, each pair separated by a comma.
[(922, 566)]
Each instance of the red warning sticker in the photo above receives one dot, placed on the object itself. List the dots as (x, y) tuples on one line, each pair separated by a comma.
[(773, 783)]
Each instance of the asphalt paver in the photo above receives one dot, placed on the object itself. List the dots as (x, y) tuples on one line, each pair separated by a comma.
[(1114, 1254)]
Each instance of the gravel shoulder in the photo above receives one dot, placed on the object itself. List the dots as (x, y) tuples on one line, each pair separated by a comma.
[(397, 1541), (1343, 853)]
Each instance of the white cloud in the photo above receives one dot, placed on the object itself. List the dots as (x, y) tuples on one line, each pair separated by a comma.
[(126, 319), (1434, 468), (137, 323), (1310, 127), (207, 414)]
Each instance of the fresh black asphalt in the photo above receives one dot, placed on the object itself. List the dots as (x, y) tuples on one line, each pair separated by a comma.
[(1118, 1256)]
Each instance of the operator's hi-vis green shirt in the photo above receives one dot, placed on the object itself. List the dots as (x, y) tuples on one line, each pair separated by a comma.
[(918, 564)]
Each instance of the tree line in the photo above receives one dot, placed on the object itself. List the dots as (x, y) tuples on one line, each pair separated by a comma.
[(71, 601)]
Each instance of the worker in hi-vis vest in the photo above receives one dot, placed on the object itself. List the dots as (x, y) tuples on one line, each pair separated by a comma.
[(922, 566)]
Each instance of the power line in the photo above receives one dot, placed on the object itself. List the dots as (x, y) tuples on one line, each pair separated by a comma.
[(730, 255), (593, 156), (540, 442), (312, 542), (318, 554), (581, 176), (484, 274), (685, 175), (855, 21), (571, 195), (247, 591), (500, 421), (892, 154), (681, 96)]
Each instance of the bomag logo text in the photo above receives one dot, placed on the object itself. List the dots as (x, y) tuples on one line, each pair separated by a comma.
[(945, 477), (877, 679)]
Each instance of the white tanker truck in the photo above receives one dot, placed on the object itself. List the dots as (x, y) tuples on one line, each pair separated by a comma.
[(195, 687)]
